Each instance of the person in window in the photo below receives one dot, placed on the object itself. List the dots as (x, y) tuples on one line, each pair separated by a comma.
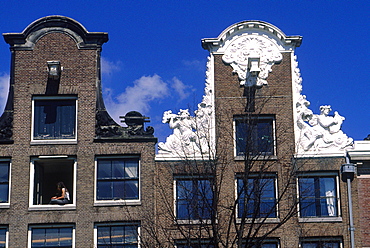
[(62, 196)]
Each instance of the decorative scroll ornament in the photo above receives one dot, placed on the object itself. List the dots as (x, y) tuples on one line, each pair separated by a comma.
[(251, 57)]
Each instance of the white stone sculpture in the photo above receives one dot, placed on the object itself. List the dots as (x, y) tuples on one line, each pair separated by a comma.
[(249, 47), (192, 136), (316, 134)]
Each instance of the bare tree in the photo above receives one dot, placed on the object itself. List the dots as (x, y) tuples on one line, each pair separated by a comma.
[(221, 201)]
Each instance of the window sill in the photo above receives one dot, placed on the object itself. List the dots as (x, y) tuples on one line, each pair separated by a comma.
[(5, 205), (258, 220), (320, 219), (53, 142), (256, 157), (117, 203), (193, 222), (52, 207)]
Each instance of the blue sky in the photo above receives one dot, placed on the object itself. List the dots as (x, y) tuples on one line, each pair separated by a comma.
[(154, 61)]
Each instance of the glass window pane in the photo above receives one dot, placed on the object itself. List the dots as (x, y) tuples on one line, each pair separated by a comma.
[(119, 190), (4, 172), (327, 187), (65, 236), (117, 235), (104, 169), (104, 190), (4, 191), (103, 235), (131, 189), (131, 234), (118, 168), (52, 237), (38, 237), (2, 237), (131, 169), (183, 208)]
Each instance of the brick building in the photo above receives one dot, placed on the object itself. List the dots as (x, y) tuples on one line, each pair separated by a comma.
[(55, 128), (262, 164), (253, 167)]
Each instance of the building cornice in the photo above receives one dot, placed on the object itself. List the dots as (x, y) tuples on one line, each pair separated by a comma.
[(258, 26), (51, 24)]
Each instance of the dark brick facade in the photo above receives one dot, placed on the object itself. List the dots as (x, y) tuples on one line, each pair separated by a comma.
[(62, 39)]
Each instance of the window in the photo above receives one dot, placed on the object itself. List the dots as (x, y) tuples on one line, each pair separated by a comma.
[(46, 172), (257, 197), (194, 197), (54, 118), (269, 243), (117, 235), (4, 181), (52, 236), (117, 179), (254, 135), (321, 243), (3, 236), (318, 196), (194, 244)]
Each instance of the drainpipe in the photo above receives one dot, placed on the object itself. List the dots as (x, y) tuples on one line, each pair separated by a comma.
[(348, 173)]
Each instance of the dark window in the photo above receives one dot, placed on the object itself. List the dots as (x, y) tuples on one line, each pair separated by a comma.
[(320, 244), (318, 196), (47, 173), (54, 119), (269, 244), (51, 237), (4, 181), (254, 135), (117, 236), (193, 199), (118, 179), (257, 198), (194, 246), (3, 231)]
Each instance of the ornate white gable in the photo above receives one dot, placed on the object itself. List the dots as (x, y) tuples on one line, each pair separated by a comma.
[(251, 48), (246, 49)]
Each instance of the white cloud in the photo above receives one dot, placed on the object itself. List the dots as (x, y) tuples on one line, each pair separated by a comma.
[(136, 97), (4, 90), (180, 88), (108, 67)]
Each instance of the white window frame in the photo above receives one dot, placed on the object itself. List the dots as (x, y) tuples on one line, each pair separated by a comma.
[(337, 218), (258, 117), (53, 141), (6, 235), (31, 227), (108, 224), (71, 206), (7, 204), (188, 221), (116, 202), (266, 220)]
